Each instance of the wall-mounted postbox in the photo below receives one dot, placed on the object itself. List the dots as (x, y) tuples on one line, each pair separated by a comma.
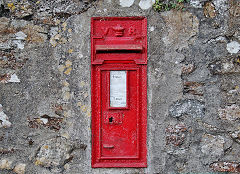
[(119, 91)]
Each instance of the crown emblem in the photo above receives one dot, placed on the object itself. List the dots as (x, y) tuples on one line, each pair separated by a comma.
[(118, 30)]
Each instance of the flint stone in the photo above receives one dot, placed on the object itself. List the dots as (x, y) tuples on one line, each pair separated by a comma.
[(190, 107)]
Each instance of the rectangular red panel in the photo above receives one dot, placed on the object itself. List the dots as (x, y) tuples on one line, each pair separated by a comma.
[(119, 129)]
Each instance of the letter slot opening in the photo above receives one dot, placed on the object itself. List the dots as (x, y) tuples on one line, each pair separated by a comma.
[(119, 48)]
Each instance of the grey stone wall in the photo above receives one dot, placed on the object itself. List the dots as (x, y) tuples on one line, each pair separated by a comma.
[(193, 86)]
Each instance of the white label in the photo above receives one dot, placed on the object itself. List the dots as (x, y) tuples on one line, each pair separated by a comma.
[(118, 88)]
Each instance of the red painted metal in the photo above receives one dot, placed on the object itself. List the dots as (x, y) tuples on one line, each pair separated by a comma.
[(119, 133)]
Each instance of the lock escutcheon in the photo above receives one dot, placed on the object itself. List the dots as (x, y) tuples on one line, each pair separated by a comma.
[(113, 118)]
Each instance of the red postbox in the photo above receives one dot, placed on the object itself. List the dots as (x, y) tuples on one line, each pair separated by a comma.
[(119, 91)]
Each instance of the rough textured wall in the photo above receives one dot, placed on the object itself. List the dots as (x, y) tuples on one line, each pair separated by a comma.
[(193, 86)]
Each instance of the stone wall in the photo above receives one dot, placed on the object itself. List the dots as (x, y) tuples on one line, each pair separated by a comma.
[(193, 86)]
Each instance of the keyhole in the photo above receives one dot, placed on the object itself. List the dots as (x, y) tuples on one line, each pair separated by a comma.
[(110, 119)]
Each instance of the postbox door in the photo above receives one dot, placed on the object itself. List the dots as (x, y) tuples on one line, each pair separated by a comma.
[(119, 114)]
